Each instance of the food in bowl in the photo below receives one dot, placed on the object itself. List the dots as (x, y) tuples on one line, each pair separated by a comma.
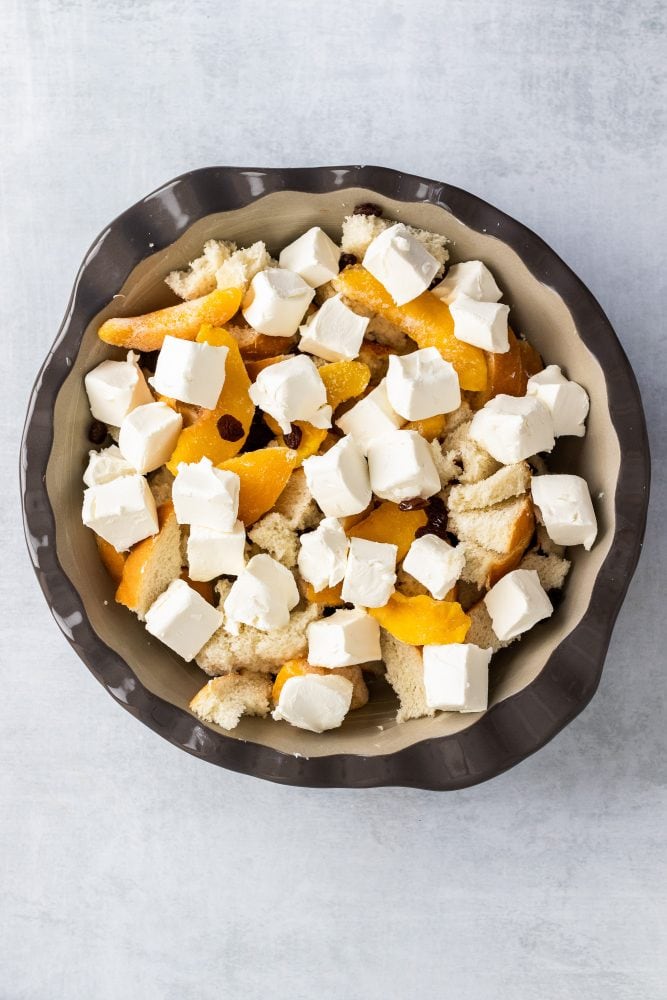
[(333, 464)]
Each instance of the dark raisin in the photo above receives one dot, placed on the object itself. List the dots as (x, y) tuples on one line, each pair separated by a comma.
[(436, 281), (368, 208), (293, 439), (426, 530), (346, 260), (149, 360), (229, 428), (259, 434), (328, 612), (436, 505), (414, 503), (97, 432)]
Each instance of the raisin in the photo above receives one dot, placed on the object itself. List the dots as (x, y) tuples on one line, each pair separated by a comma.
[(414, 503), (346, 260), (259, 434), (425, 530), (229, 428), (368, 208), (293, 439), (436, 505), (97, 432), (149, 360), (436, 281)]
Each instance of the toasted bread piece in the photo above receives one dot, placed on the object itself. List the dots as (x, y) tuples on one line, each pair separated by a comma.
[(273, 534), (376, 356), (448, 468), (225, 699), (405, 673), (531, 360), (484, 567), (502, 528), (475, 463), (296, 504), (481, 631), (199, 277), (112, 560), (407, 584), (256, 346), (238, 270), (161, 483), (551, 569), (152, 564), (509, 481)]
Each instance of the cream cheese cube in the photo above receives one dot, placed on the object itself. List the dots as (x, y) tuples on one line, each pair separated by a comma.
[(214, 553), (276, 302), (456, 677), (206, 496), (566, 401), (371, 573), (148, 436), (335, 332), (292, 390), (182, 619), (370, 418), (191, 372), (400, 263), (338, 480), (566, 509), (344, 639), (261, 596), (323, 554), (516, 603), (115, 388), (512, 428), (482, 324), (314, 702), (105, 465), (422, 384), (313, 256), (435, 564), (401, 467), (122, 511), (471, 278)]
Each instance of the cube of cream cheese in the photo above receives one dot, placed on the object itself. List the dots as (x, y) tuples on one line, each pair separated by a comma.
[(206, 496), (122, 511), (471, 278), (400, 263), (334, 333), (323, 554), (148, 436), (191, 372), (261, 596), (344, 639), (214, 553), (371, 573), (422, 384), (401, 467), (566, 508), (371, 417), (516, 603), (456, 677), (276, 302), (566, 401), (482, 324), (512, 428), (115, 388), (313, 256), (182, 619), (314, 702), (292, 390), (105, 465), (338, 480), (435, 564)]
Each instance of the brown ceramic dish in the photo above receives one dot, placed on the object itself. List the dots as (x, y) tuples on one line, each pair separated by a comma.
[(539, 685)]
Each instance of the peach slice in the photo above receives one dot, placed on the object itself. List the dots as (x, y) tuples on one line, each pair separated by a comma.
[(429, 428), (112, 561), (256, 365), (344, 380), (422, 621), (389, 524), (263, 474), (330, 596)]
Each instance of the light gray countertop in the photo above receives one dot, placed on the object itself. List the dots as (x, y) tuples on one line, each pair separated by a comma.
[(129, 869)]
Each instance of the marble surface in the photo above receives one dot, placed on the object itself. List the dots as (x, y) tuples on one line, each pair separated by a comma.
[(127, 868)]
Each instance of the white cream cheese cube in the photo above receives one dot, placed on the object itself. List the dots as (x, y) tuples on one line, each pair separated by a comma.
[(482, 324), (206, 496), (105, 465), (335, 332), (566, 401), (148, 436), (191, 372), (276, 302), (456, 677), (182, 619), (314, 702), (371, 573), (292, 390), (338, 480), (261, 596), (516, 603), (344, 639), (115, 388), (370, 418), (512, 428), (566, 508), (422, 384), (313, 256), (471, 278), (323, 554), (401, 467), (214, 553), (435, 564), (122, 511), (400, 263)]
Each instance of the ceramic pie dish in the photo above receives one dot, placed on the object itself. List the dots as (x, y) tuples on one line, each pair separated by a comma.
[(537, 686)]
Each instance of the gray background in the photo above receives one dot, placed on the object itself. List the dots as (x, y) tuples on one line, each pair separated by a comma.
[(129, 869)]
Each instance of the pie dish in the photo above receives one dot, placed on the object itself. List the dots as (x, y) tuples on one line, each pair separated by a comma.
[(538, 688)]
